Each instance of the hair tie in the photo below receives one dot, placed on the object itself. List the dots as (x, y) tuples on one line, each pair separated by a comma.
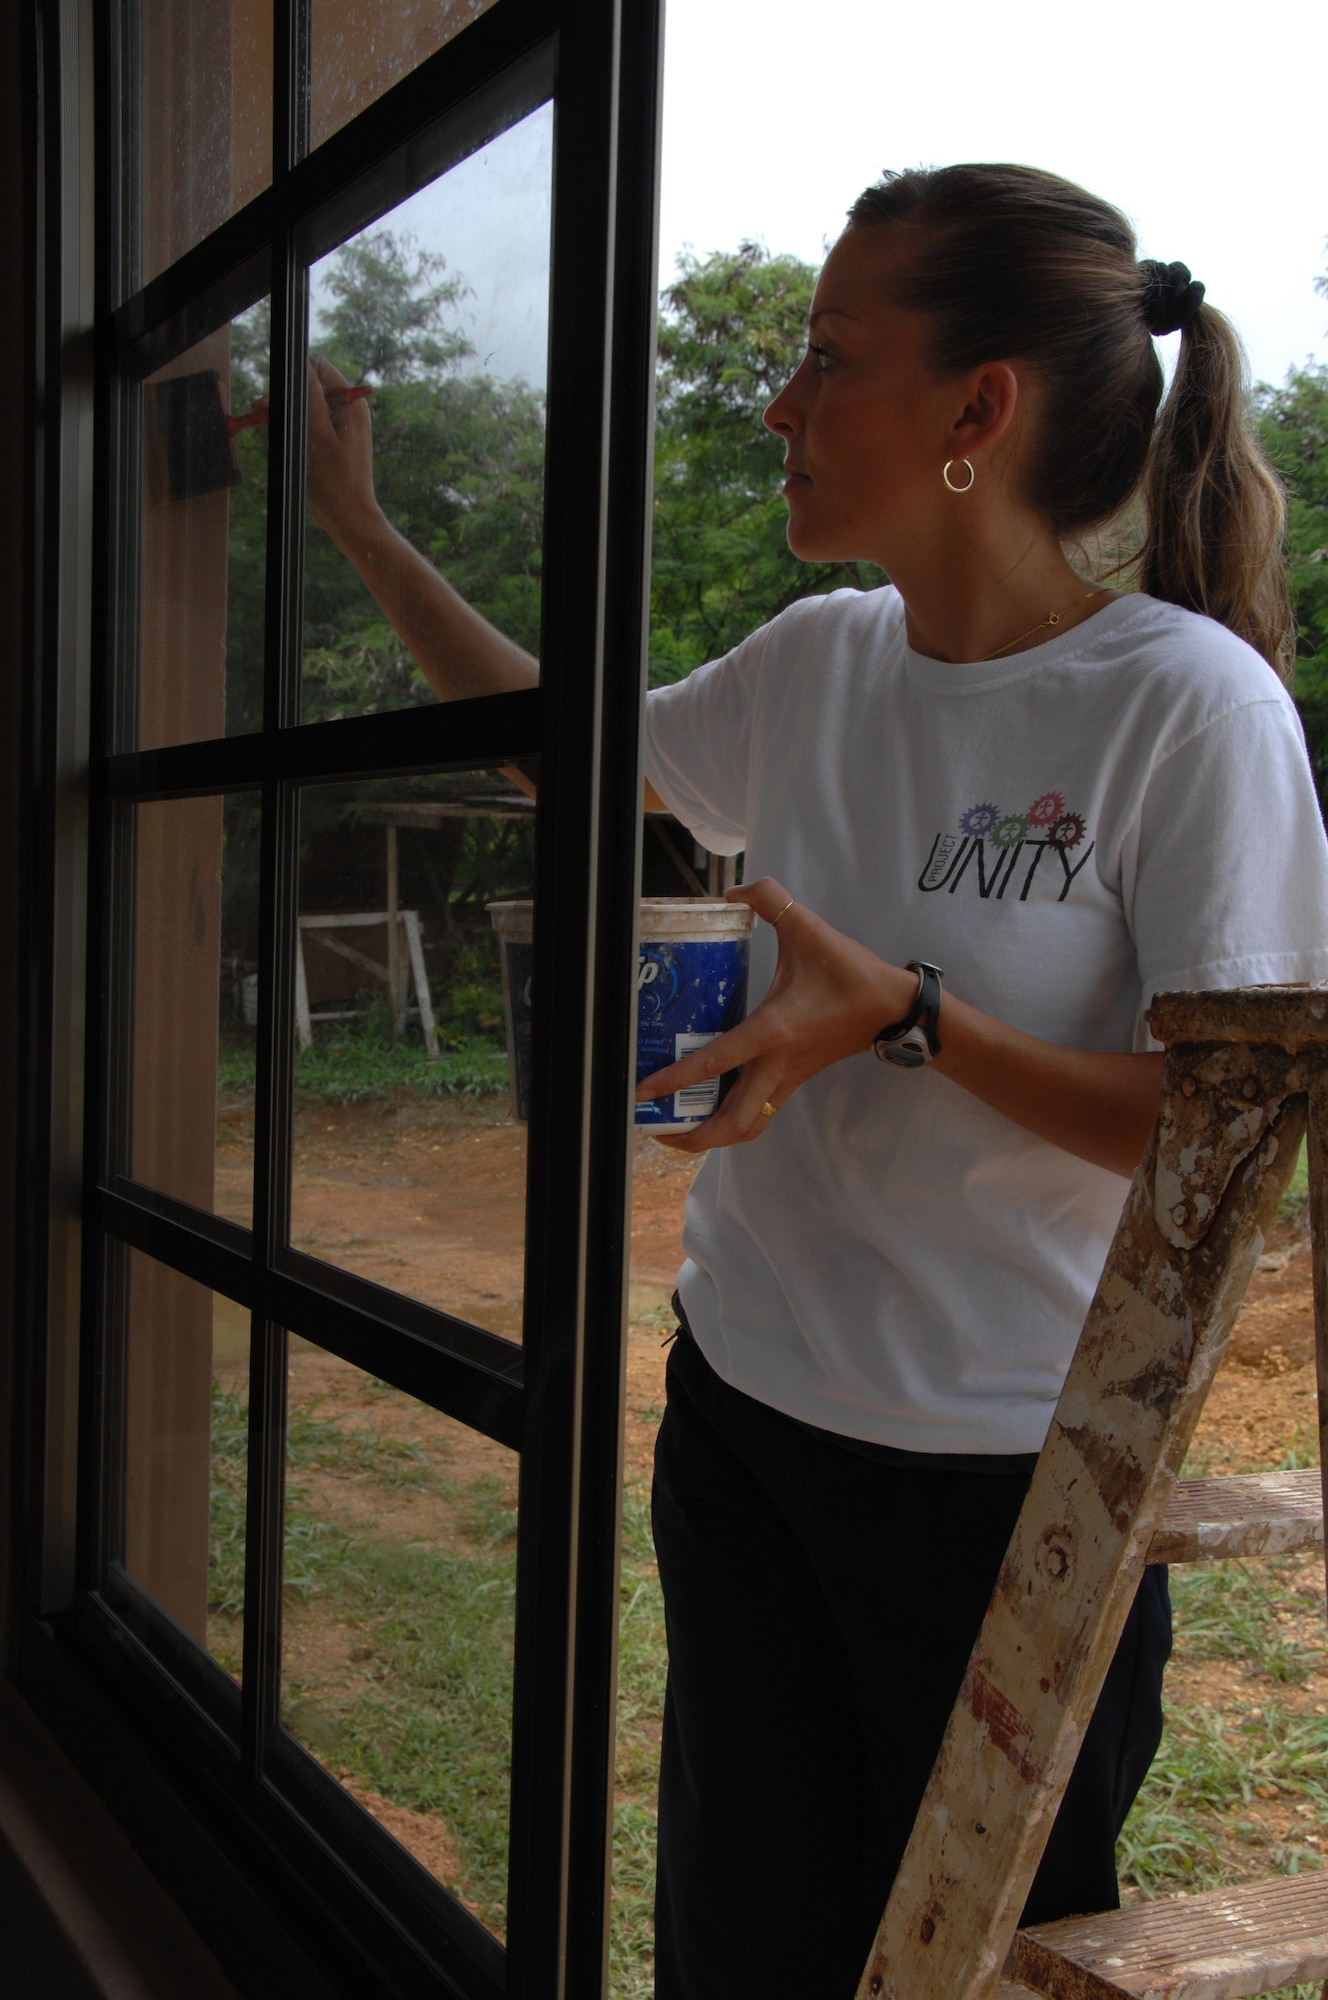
[(1171, 296)]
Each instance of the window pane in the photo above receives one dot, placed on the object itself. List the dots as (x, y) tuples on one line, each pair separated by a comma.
[(194, 942), (409, 1167), (441, 309), (186, 1372), (193, 665), (200, 79), (398, 1620), (361, 48)]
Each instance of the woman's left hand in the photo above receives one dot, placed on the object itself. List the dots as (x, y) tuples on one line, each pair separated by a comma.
[(830, 997)]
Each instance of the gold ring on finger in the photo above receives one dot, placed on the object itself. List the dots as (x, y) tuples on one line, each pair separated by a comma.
[(784, 912)]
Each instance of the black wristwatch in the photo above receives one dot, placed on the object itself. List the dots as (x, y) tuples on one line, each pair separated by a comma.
[(913, 1041)]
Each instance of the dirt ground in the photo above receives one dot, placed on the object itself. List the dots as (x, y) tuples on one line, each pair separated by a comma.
[(429, 1200)]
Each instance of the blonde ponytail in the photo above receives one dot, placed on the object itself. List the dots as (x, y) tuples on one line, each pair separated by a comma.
[(1214, 509)]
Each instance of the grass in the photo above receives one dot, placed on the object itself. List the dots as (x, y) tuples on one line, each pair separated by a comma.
[(411, 1690), (417, 1705), (1232, 1796), (641, 1669), (1297, 1197), (352, 1062)]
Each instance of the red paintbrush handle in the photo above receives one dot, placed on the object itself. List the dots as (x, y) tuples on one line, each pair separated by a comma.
[(336, 400)]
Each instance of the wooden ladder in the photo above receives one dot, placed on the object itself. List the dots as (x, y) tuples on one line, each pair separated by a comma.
[(1246, 1072)]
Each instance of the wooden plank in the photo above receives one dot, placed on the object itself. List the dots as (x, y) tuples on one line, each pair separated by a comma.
[(1318, 1169), (684, 867), (1155, 1332), (1286, 1017), (415, 943), (349, 920), (359, 958), (1229, 1944), (1254, 1514), (304, 1033), (394, 986)]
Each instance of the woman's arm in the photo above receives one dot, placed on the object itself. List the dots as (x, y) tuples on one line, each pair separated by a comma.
[(458, 652), (831, 997)]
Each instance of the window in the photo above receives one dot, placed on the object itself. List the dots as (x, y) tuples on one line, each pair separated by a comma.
[(266, 771)]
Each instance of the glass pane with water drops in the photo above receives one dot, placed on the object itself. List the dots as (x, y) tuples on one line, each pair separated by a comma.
[(429, 337), (361, 48), (397, 1630), (197, 115)]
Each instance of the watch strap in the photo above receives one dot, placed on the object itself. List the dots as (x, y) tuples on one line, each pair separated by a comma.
[(914, 1041)]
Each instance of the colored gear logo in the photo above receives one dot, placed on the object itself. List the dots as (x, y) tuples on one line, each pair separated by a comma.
[(1012, 829), (979, 820), (1069, 830), (1046, 810)]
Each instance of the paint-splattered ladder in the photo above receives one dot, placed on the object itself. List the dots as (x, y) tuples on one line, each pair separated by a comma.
[(1246, 1072)]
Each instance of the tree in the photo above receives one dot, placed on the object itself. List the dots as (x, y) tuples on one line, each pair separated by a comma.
[(1293, 426), (732, 331), (388, 323), (459, 464)]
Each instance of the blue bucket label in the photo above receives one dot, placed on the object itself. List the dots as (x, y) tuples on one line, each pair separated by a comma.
[(687, 992)]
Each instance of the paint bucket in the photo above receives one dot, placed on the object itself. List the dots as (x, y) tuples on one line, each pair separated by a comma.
[(691, 985)]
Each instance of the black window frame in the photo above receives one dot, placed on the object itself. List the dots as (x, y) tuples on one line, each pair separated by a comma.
[(374, 1922)]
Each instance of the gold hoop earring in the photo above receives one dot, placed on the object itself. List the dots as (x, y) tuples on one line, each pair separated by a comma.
[(945, 475)]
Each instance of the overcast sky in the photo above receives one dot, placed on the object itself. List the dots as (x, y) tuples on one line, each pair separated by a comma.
[(1206, 125)]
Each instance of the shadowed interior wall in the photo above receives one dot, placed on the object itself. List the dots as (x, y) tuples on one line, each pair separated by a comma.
[(16, 638), (190, 57)]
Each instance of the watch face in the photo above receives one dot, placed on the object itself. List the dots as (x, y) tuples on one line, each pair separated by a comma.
[(909, 1051)]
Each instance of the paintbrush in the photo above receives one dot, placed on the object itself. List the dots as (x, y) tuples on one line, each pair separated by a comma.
[(196, 430)]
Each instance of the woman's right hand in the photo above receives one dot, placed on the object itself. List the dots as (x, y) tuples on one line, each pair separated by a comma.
[(340, 443)]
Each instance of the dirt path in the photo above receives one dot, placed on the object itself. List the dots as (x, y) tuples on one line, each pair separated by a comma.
[(429, 1200)]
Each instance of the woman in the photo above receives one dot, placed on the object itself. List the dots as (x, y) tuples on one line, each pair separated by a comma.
[(1068, 799)]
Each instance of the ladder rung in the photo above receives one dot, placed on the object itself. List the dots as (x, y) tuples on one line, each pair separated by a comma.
[(1225, 1945), (1254, 1514)]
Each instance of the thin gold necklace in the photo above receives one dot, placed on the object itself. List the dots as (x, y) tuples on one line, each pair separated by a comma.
[(1052, 618)]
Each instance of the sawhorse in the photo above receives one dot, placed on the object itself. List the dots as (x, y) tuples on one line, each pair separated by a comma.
[(1245, 1073), (396, 921)]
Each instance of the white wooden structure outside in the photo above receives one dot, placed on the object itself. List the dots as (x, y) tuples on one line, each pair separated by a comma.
[(403, 928)]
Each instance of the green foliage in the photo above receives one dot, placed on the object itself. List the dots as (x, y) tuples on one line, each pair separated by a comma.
[(1295, 1202), (732, 331), (230, 1445), (1293, 426), (346, 1066), (389, 323), (458, 467)]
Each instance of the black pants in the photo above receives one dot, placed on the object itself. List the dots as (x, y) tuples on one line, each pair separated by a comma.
[(821, 1608)]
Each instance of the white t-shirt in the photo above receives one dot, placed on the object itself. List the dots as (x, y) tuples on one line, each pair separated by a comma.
[(1124, 810)]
